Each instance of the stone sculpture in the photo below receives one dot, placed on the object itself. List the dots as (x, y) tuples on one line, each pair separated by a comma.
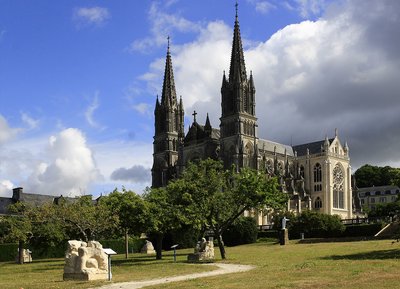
[(203, 252), (85, 261), (148, 248)]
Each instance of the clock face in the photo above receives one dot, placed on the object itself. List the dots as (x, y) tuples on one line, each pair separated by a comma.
[(337, 175)]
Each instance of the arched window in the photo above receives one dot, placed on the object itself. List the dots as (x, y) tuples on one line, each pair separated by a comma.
[(338, 191), (317, 177), (317, 173), (318, 203)]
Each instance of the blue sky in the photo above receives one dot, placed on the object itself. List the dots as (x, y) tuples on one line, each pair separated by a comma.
[(79, 79)]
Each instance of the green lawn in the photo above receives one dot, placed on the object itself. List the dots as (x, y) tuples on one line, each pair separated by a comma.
[(362, 264)]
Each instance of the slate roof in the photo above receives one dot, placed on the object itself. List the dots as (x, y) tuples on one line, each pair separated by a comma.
[(313, 147), (270, 146), (197, 132)]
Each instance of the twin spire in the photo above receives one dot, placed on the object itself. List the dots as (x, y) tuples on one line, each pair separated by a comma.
[(237, 70), (168, 96)]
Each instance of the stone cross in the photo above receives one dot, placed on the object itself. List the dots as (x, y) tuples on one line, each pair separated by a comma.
[(194, 116)]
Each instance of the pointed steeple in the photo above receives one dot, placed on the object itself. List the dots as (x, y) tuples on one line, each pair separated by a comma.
[(207, 126), (168, 97), (237, 70)]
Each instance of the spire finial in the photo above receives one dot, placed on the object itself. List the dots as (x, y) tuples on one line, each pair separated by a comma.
[(236, 7), (168, 42)]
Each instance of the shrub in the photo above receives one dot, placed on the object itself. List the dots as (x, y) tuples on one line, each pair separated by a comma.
[(243, 231), (362, 230), (185, 237), (8, 252), (271, 234), (316, 225)]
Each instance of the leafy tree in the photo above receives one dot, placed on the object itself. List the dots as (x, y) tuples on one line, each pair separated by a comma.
[(244, 230), (368, 176), (131, 210), (17, 228), (312, 223), (163, 215), (85, 219), (210, 197)]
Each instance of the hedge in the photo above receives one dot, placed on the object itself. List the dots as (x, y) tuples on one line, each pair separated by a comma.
[(273, 234), (8, 252), (362, 230), (243, 231)]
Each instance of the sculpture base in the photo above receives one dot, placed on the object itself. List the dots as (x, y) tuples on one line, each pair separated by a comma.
[(85, 276), (199, 258), (284, 237)]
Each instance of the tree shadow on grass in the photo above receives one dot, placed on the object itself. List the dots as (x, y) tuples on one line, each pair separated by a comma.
[(148, 260), (372, 255)]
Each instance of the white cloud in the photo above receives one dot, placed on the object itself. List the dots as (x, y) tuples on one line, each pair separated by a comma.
[(163, 24), (311, 77), (309, 8), (135, 174), (6, 132), (261, 6), (69, 169), (6, 187), (91, 16), (91, 109), (29, 121), (143, 108)]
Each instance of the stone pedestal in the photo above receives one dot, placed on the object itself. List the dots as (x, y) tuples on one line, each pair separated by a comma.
[(284, 237)]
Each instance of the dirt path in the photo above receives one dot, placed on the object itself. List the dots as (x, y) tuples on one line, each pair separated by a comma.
[(223, 269)]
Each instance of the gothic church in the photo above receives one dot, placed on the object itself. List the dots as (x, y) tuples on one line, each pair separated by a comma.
[(316, 175)]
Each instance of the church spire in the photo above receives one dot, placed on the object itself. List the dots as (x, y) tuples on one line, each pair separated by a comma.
[(237, 70), (168, 97)]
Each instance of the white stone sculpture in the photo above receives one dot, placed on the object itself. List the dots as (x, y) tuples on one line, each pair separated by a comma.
[(85, 261), (148, 248), (204, 251)]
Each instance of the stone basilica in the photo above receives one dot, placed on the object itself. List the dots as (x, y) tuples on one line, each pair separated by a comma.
[(316, 175)]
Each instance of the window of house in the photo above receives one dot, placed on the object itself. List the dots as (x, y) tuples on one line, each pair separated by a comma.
[(372, 200), (382, 199)]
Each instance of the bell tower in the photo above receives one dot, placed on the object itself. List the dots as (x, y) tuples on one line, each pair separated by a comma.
[(169, 129), (238, 122)]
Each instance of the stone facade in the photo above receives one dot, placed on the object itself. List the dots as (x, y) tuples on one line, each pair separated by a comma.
[(316, 175)]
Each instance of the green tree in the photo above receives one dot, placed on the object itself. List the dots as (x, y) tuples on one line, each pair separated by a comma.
[(163, 215), (316, 224), (86, 219), (210, 197), (368, 176), (16, 228), (131, 210)]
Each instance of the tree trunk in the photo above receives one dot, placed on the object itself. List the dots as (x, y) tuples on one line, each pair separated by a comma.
[(221, 247), (159, 239), (21, 252), (126, 244)]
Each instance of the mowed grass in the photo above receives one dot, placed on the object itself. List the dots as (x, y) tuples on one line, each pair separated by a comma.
[(48, 273), (361, 264)]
